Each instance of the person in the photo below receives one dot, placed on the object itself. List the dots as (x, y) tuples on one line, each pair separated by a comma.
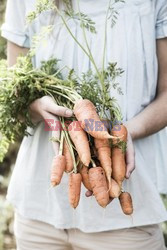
[(138, 43)]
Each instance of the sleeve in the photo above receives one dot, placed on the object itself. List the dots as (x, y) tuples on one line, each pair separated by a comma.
[(14, 29), (161, 19)]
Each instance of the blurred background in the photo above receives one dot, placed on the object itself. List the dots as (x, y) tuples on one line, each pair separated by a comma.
[(7, 241)]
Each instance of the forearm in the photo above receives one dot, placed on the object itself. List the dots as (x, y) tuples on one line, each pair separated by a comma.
[(152, 119), (13, 51)]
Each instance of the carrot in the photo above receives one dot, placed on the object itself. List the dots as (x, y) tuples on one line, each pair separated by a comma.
[(118, 155), (99, 143), (68, 157), (126, 203), (99, 186), (104, 155), (85, 177), (115, 189), (58, 167), (85, 113), (74, 189), (119, 131), (80, 140)]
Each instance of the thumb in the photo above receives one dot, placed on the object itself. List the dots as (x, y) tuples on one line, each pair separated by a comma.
[(51, 107), (130, 157)]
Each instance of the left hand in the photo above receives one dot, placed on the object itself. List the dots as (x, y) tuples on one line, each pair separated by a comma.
[(130, 161), (129, 157)]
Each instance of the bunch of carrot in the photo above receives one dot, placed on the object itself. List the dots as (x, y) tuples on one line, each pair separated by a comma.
[(93, 157)]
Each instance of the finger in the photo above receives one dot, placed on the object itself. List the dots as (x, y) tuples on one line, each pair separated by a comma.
[(88, 193), (130, 165), (130, 157), (60, 111), (51, 107)]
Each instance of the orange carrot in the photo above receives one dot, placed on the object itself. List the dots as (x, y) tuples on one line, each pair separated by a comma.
[(99, 186), (118, 165), (58, 167), (126, 203), (118, 155), (74, 189), (115, 189), (119, 131), (99, 143), (85, 113), (68, 156), (80, 140), (85, 177), (104, 155)]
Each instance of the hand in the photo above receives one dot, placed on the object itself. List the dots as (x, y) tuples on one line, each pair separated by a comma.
[(130, 161), (130, 157), (45, 108)]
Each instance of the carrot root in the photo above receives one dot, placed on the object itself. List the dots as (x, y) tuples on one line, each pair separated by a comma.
[(115, 189), (85, 177), (68, 157), (80, 140), (74, 189), (99, 186), (126, 203), (104, 155), (58, 167), (85, 112), (118, 155)]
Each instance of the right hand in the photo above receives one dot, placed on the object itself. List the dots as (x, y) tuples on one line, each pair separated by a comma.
[(45, 108)]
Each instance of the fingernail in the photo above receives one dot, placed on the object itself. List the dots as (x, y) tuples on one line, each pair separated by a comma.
[(69, 112)]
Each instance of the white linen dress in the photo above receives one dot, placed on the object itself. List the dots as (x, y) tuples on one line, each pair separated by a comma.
[(131, 43)]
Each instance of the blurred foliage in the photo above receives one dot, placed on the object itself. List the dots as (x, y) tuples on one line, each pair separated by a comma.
[(7, 241), (2, 40), (10, 158)]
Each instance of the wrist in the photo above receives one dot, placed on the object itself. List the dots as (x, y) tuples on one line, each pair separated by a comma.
[(35, 117), (135, 129)]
